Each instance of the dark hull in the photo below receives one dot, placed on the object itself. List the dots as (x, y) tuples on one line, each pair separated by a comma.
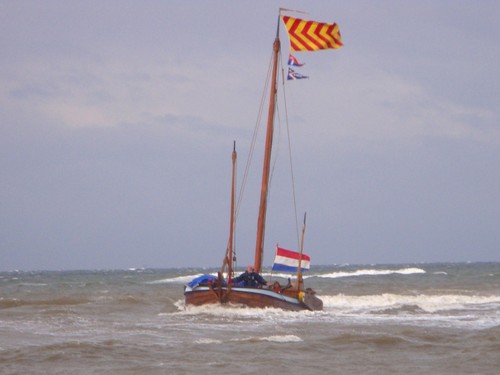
[(251, 297)]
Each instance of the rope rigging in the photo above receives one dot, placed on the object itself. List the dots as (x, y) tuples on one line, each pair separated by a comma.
[(276, 153)]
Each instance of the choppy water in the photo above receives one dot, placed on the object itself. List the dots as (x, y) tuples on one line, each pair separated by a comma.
[(412, 319)]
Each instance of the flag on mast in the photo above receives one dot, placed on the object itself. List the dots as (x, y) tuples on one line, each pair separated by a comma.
[(292, 74), (292, 61), (311, 35), (288, 261)]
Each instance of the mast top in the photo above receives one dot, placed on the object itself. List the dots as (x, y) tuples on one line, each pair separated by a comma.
[(261, 222), (278, 26)]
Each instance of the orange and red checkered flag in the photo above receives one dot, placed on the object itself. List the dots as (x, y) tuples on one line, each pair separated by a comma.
[(312, 36)]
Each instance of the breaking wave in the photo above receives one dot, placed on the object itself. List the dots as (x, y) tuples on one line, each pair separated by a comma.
[(183, 279), (373, 272), (427, 303)]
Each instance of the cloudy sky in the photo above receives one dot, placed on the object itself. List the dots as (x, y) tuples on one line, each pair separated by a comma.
[(117, 121)]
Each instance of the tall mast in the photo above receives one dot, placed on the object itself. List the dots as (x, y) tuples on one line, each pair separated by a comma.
[(299, 269), (261, 224), (228, 259), (231, 224)]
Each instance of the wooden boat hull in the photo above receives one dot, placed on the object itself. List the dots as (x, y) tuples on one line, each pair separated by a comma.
[(251, 297)]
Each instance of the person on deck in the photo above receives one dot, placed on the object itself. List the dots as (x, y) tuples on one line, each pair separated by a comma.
[(250, 278)]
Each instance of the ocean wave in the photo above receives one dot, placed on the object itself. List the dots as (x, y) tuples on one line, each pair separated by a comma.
[(373, 272), (427, 303), (33, 284), (176, 280), (206, 341), (6, 303), (183, 279), (273, 338), (238, 311), (282, 338)]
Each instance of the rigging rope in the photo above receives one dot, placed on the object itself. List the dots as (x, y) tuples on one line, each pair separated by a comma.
[(254, 141), (290, 155), (249, 162)]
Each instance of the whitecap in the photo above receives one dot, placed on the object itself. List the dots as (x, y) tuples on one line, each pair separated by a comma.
[(427, 303), (282, 338), (175, 280), (374, 272)]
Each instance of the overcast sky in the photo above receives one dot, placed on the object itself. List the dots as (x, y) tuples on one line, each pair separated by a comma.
[(117, 121)]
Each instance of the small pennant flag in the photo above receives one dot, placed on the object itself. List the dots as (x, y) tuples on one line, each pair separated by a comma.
[(312, 36), (292, 74), (288, 261), (292, 61)]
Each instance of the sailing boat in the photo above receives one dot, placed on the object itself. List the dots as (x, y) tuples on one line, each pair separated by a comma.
[(208, 289)]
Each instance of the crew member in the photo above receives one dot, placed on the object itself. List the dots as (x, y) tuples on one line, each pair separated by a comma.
[(250, 278)]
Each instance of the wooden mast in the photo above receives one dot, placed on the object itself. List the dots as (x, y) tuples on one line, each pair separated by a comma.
[(231, 224), (300, 280), (261, 223), (228, 258)]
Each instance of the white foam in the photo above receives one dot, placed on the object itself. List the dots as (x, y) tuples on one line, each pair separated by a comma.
[(428, 303), (373, 272), (456, 310), (176, 280), (225, 310), (274, 338), (230, 311), (282, 338)]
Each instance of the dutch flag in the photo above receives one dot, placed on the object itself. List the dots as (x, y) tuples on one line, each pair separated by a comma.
[(288, 261)]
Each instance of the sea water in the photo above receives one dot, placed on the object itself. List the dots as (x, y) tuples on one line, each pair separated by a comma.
[(377, 319)]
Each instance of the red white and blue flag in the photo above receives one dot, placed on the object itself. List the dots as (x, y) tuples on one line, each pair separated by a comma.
[(288, 261), (292, 61)]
